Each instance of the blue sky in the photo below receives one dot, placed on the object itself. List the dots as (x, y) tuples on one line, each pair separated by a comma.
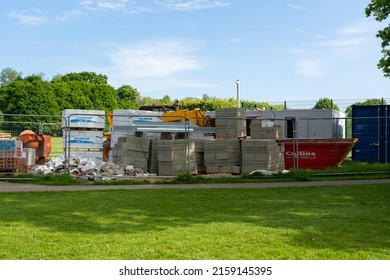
[(279, 49)]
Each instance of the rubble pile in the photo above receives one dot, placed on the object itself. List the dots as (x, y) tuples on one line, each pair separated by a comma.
[(89, 169)]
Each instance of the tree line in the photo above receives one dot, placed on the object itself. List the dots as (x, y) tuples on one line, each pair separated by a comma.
[(34, 95)]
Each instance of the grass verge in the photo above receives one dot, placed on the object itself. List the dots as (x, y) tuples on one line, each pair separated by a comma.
[(338, 222)]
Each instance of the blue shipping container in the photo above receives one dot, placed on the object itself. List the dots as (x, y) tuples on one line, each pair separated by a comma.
[(371, 125)]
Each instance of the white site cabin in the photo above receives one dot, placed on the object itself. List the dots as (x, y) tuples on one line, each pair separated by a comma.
[(308, 123)]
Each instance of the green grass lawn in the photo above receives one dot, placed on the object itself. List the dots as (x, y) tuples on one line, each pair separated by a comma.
[(57, 149), (340, 222)]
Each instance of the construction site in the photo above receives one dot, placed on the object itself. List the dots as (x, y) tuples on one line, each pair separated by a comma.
[(166, 141)]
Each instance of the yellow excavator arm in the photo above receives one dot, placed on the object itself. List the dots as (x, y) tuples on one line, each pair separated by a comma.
[(196, 116)]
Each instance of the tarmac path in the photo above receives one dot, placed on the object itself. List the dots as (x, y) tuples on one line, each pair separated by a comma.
[(14, 187)]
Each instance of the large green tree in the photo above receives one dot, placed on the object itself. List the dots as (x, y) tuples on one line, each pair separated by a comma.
[(84, 90), (30, 96), (380, 10)]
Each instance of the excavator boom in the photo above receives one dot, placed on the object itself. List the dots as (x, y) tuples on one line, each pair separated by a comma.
[(196, 116)]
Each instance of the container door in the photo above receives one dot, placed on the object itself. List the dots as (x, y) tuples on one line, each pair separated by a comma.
[(366, 127)]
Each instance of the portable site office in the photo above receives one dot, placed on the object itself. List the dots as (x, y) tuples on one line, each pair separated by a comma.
[(307, 123)]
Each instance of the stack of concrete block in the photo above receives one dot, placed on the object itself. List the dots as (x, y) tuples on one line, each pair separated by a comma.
[(260, 154), (222, 156), (199, 155), (176, 157), (132, 151), (230, 123), (153, 158), (260, 131)]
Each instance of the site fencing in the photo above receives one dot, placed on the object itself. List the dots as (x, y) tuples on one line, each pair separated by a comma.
[(306, 140)]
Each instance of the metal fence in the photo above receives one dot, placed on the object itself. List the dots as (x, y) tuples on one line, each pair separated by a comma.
[(330, 132)]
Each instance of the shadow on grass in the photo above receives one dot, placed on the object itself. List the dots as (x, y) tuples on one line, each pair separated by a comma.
[(342, 217)]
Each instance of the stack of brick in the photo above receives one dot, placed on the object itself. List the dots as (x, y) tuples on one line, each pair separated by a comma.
[(176, 157), (222, 156), (132, 151), (258, 154), (259, 131), (11, 152), (230, 123)]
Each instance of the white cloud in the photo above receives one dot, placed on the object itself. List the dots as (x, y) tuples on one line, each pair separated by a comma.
[(69, 16), (297, 30), (37, 17), (104, 4), (311, 68), (153, 59), (335, 50), (157, 65), (297, 7), (194, 4), (24, 18)]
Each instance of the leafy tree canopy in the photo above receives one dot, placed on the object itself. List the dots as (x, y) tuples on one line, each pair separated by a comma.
[(326, 103), (372, 101), (9, 75), (380, 10), (30, 96), (128, 97), (90, 77)]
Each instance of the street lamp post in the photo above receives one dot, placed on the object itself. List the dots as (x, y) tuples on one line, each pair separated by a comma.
[(238, 94)]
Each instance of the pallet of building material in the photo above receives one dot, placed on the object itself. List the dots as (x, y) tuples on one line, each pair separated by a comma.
[(28, 159), (115, 135), (82, 139), (129, 117), (239, 113), (11, 148), (11, 164), (175, 157), (222, 156), (132, 151), (258, 154), (257, 131), (230, 123), (85, 154), (77, 118), (11, 153)]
